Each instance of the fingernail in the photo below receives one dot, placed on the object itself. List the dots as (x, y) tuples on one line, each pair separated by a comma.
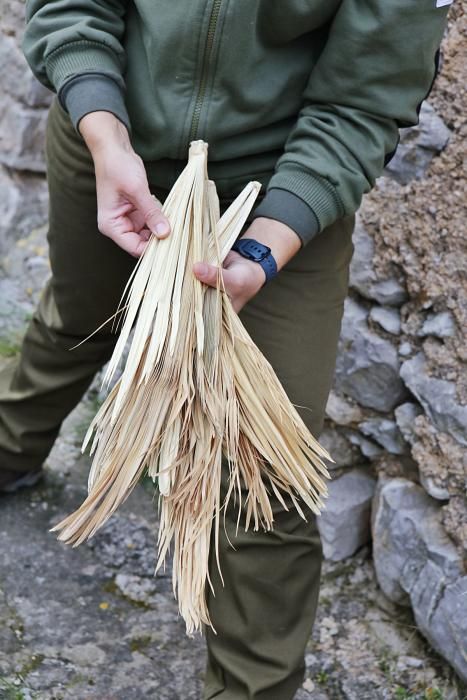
[(162, 229)]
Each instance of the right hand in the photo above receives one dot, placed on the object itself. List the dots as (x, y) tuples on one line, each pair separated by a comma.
[(126, 210)]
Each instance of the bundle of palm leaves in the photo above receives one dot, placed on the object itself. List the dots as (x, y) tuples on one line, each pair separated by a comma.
[(194, 388)]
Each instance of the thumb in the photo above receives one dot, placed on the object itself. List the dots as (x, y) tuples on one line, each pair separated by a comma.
[(206, 273), (150, 208)]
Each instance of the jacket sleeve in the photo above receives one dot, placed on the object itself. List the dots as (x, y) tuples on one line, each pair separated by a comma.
[(375, 70), (75, 49)]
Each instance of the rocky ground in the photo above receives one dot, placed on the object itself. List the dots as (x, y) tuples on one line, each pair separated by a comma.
[(93, 623)]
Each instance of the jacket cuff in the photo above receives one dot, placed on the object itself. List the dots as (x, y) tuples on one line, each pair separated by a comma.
[(285, 206), (317, 192), (93, 92), (82, 56)]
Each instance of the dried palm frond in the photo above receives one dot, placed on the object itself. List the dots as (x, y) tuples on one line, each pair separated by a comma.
[(194, 387)]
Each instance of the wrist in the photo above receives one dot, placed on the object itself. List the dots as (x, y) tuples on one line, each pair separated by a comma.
[(280, 238), (102, 131)]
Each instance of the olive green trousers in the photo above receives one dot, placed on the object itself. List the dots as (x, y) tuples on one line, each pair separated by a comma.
[(264, 614)]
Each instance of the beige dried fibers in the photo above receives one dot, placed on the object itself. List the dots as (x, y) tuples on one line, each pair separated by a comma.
[(194, 387)]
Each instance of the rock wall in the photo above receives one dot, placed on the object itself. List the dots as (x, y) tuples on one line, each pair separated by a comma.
[(397, 416), (23, 112), (398, 410)]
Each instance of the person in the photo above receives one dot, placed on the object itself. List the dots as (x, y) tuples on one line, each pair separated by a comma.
[(307, 97)]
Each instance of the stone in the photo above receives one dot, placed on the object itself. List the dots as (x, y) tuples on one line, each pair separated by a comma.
[(85, 654), (440, 610), (389, 319), (367, 366), (368, 448), (405, 349), (439, 493), (363, 279), (389, 291), (308, 685), (86, 638), (437, 396), (341, 411), (23, 137), (405, 415), (24, 206), (441, 325), (386, 433), (418, 145), (23, 109), (136, 588), (409, 662), (126, 544), (417, 564), (362, 275), (18, 81), (406, 528), (342, 451), (344, 525)]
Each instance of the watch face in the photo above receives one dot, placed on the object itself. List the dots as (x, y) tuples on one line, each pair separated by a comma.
[(252, 249)]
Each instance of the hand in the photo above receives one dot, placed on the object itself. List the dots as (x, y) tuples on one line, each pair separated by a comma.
[(126, 211), (244, 278)]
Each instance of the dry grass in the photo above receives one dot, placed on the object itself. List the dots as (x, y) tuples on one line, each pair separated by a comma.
[(194, 387)]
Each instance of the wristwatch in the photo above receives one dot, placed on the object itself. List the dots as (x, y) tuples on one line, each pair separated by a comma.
[(257, 252)]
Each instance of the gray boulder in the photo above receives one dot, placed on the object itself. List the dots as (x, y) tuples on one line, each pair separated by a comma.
[(23, 110), (367, 366), (405, 415), (386, 433), (437, 396), (405, 349), (18, 81), (389, 319), (390, 291), (441, 325), (343, 452), (24, 206), (368, 448), (23, 136), (443, 623), (418, 145), (341, 411), (344, 525), (417, 564)]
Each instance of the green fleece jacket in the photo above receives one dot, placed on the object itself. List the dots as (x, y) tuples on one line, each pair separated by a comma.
[(306, 96)]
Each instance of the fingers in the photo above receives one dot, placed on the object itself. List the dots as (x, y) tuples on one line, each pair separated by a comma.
[(125, 234), (234, 280), (242, 278), (150, 210), (137, 221), (208, 274), (133, 243)]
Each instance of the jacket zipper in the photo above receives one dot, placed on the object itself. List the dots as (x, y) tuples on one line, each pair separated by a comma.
[(203, 82)]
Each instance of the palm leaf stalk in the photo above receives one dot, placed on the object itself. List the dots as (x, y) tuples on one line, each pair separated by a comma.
[(194, 388)]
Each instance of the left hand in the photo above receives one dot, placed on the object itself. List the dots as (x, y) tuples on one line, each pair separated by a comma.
[(244, 278)]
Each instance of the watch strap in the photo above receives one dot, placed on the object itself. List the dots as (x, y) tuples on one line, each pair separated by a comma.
[(259, 253), (269, 266)]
